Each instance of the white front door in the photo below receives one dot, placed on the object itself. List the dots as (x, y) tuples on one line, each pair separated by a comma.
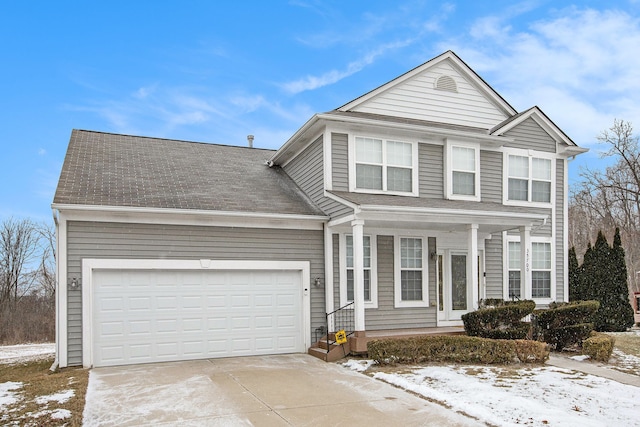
[(454, 290)]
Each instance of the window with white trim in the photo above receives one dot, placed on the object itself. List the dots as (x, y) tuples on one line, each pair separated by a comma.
[(383, 165), (529, 179), (515, 282), (540, 270), (411, 274), (348, 280), (462, 174)]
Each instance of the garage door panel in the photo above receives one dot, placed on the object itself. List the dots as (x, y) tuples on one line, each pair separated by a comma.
[(174, 315)]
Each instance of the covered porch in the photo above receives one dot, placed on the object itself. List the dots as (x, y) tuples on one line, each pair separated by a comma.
[(414, 270)]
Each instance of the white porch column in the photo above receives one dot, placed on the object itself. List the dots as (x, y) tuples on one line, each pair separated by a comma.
[(328, 273), (472, 265), (525, 261), (358, 273)]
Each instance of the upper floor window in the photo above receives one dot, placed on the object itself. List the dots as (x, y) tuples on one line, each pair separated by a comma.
[(384, 166), (463, 165), (529, 179)]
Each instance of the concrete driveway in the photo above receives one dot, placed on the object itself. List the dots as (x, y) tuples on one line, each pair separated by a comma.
[(290, 390)]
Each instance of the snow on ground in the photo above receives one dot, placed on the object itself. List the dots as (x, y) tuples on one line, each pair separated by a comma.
[(26, 352), (7, 394), (60, 397), (542, 396)]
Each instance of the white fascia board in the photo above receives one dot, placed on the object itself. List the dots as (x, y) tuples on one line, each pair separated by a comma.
[(190, 217), (294, 138), (341, 200), (544, 122), (454, 216), (492, 141)]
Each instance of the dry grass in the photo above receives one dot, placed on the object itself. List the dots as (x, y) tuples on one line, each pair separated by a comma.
[(37, 380), (626, 352)]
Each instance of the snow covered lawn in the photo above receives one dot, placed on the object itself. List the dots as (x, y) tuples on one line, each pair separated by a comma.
[(512, 396)]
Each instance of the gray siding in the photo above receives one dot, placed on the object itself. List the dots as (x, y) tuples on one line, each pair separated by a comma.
[(561, 257), (386, 316), (530, 136), (493, 266), (340, 161), (491, 176), (136, 241), (431, 170), (306, 171)]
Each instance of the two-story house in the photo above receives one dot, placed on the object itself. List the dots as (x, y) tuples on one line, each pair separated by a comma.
[(413, 202)]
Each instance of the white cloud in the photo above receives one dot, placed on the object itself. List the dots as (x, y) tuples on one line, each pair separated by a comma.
[(580, 66), (333, 76)]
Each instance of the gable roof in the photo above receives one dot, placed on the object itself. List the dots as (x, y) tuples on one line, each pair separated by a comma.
[(457, 64), (105, 169)]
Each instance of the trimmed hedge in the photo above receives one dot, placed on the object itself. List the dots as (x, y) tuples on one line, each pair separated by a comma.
[(565, 324), (503, 321), (598, 346), (455, 349)]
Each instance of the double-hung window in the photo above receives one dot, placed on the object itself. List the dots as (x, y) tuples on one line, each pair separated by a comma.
[(383, 165), (540, 263), (529, 179), (462, 174), (411, 283), (347, 291), (541, 270), (515, 282)]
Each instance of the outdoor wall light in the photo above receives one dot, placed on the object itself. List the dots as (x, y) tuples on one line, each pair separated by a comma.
[(74, 283), (316, 282)]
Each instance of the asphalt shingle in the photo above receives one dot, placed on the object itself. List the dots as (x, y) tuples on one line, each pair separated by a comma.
[(104, 169)]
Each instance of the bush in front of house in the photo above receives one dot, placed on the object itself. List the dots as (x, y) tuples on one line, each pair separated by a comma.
[(502, 320), (598, 346), (565, 324), (455, 349)]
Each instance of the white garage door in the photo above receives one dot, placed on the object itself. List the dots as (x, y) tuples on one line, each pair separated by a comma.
[(142, 316)]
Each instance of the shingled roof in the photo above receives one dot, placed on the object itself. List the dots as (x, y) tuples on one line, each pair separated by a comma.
[(104, 169)]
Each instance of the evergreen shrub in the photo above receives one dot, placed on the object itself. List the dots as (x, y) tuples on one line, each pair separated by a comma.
[(455, 349), (565, 324), (598, 346), (502, 321)]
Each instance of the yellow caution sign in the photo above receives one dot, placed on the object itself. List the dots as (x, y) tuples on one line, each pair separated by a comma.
[(341, 337)]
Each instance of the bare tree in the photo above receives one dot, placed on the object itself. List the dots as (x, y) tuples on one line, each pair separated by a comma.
[(18, 251), (607, 199)]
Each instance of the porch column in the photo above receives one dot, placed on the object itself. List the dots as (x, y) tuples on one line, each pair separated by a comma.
[(358, 273), (472, 265), (328, 272), (525, 261)]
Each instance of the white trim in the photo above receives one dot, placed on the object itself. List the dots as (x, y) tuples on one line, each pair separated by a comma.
[(302, 148), (526, 285), (397, 275), (62, 345), (448, 170), (89, 265), (190, 217), (351, 147), (463, 68), (342, 244), (565, 230), (328, 271), (327, 169), (530, 154)]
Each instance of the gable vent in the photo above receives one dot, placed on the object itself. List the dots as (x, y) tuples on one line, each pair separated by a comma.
[(446, 83)]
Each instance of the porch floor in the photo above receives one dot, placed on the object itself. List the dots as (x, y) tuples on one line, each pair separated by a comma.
[(360, 339)]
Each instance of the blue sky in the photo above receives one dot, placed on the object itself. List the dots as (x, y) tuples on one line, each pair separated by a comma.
[(216, 71)]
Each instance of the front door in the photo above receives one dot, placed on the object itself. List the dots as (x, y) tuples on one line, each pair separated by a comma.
[(454, 291)]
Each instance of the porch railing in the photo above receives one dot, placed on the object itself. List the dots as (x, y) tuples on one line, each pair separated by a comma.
[(342, 319)]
